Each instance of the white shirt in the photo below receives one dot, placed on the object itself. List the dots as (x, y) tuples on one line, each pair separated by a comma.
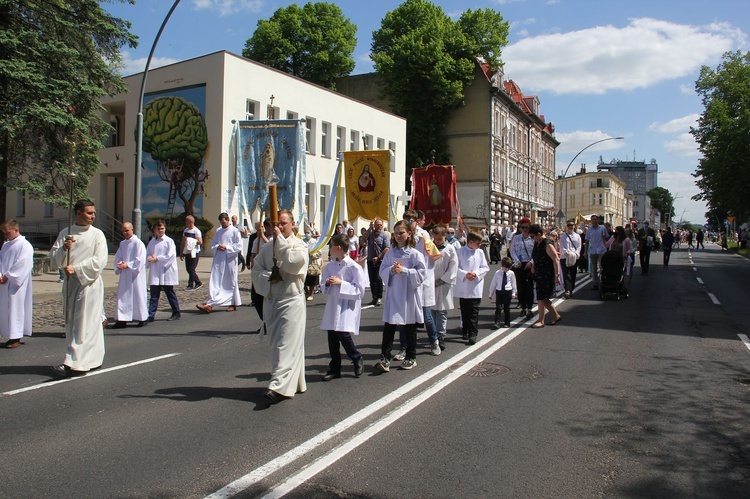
[(497, 282)]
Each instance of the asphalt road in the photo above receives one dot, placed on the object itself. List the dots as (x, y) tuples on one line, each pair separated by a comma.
[(644, 397)]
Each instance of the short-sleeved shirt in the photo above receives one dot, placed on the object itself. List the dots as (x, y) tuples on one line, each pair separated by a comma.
[(194, 234), (594, 239), (376, 243)]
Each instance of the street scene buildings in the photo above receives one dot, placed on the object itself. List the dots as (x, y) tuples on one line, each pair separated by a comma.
[(595, 193)]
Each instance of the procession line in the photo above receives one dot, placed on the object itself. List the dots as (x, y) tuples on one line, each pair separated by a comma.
[(88, 375)]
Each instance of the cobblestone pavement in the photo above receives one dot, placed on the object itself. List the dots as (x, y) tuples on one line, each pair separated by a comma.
[(48, 312)]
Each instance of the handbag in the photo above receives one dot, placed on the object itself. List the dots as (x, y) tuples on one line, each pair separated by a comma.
[(313, 268)]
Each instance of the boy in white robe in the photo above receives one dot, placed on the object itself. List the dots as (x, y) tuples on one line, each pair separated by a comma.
[(130, 265), (445, 272), (344, 285), (16, 263), (223, 286), (472, 267), (82, 255), (284, 310)]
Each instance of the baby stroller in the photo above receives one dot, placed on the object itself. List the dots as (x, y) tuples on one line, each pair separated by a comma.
[(612, 280)]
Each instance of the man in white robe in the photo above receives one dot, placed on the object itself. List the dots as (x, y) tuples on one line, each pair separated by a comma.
[(130, 265), (223, 288), (162, 271), (284, 311), (16, 263), (82, 255)]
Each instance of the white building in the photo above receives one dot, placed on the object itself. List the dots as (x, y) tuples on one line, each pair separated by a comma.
[(227, 87)]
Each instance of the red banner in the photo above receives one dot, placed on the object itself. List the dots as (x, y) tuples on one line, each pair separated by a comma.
[(433, 191)]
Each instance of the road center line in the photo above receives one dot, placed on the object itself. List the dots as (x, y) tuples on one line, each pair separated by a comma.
[(700, 281), (88, 375), (745, 340), (290, 456), (714, 299)]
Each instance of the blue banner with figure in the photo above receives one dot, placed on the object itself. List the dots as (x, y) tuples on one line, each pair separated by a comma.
[(270, 152)]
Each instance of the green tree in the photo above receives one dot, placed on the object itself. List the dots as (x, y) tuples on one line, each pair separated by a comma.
[(426, 60), (314, 42), (57, 58), (723, 135), (662, 200), (175, 135)]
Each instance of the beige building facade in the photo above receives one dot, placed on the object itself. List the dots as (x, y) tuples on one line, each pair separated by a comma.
[(595, 193)]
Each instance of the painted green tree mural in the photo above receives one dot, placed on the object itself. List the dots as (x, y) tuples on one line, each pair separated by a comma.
[(174, 133)]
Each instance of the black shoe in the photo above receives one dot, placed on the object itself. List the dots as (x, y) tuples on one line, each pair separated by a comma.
[(359, 368), (464, 336), (174, 317), (274, 397), (151, 319), (118, 325), (62, 371), (331, 375), (472, 340), (189, 287), (529, 315), (198, 286), (13, 343), (142, 323)]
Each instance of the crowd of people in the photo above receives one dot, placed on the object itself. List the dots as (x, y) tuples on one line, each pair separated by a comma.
[(414, 274)]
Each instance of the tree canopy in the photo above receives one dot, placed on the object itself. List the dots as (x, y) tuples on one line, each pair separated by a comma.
[(57, 58), (723, 135), (426, 60), (314, 42), (662, 200)]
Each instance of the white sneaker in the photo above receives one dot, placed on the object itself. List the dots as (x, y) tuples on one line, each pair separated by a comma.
[(435, 349), (401, 355), (409, 364)]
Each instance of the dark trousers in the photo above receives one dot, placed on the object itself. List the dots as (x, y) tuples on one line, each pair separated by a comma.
[(667, 253), (502, 304), (645, 259), (241, 260), (257, 302), (376, 284), (336, 338), (389, 332), (171, 298), (569, 274), (525, 287), (470, 316), (190, 265)]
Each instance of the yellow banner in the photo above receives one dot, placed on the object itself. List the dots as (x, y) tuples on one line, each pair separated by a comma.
[(367, 178)]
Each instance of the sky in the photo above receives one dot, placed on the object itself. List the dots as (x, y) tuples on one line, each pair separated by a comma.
[(600, 68)]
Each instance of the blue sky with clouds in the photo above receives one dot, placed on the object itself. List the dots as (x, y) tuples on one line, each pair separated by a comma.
[(601, 68)]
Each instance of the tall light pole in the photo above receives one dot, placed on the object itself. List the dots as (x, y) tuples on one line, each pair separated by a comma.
[(137, 213), (565, 173)]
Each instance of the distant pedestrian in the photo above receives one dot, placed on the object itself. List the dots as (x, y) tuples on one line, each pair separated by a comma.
[(646, 239), (378, 244), (243, 235), (596, 236), (190, 251), (667, 240), (547, 275), (699, 239), (130, 265), (223, 287), (570, 252), (521, 248), (162, 270), (344, 285), (16, 299)]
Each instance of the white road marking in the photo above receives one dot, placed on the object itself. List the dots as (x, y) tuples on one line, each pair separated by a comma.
[(695, 269), (255, 476), (745, 340), (714, 299), (700, 281), (88, 375)]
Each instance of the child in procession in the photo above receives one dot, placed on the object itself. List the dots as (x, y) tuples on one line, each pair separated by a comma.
[(472, 267), (403, 271), (344, 285), (503, 289)]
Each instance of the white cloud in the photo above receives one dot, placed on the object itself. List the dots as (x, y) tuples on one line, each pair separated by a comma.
[(677, 125), (687, 89), (682, 143), (605, 58), (153, 196), (573, 142), (227, 7), (133, 66)]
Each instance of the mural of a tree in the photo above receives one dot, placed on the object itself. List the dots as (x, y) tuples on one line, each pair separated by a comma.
[(174, 133)]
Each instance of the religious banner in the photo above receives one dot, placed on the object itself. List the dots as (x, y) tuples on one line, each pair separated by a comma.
[(434, 192), (367, 180), (269, 152)]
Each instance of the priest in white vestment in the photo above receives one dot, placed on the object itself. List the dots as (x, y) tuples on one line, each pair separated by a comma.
[(130, 265), (284, 311), (162, 271), (223, 288), (83, 290), (16, 263)]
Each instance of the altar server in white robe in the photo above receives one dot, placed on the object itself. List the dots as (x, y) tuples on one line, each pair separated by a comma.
[(16, 263), (162, 271), (130, 265), (344, 285), (284, 311), (445, 272), (83, 291), (223, 288)]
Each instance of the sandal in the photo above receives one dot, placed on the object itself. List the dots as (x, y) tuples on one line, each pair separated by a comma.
[(559, 318)]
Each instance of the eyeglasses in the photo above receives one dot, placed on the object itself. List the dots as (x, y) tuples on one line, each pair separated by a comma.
[(571, 225)]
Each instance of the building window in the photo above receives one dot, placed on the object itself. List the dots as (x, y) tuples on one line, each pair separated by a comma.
[(309, 135), (354, 141), (49, 207), (392, 146), (309, 194), (323, 200), (251, 110), (21, 204), (367, 143), (114, 137), (381, 144), (291, 115), (325, 139), (340, 138)]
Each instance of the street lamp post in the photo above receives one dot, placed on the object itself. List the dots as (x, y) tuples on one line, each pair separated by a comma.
[(137, 212), (564, 211)]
